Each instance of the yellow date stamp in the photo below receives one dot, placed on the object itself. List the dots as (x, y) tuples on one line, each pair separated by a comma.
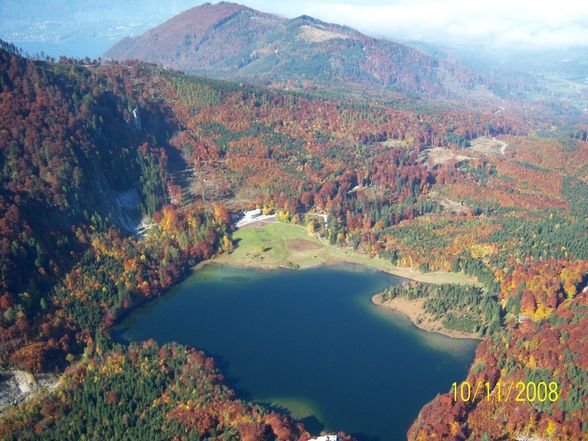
[(521, 391)]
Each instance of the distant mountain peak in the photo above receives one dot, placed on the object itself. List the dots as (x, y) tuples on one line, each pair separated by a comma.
[(219, 6), (231, 41), (309, 19), (207, 14)]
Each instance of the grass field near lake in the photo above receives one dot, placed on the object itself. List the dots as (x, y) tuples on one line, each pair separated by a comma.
[(281, 245)]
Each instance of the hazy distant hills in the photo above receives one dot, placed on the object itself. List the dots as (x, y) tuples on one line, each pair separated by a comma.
[(231, 41)]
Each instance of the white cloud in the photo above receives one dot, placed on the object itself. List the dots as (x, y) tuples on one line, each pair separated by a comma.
[(525, 24)]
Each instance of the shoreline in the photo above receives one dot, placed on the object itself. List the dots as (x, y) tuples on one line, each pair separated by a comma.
[(411, 309), (414, 311), (329, 255), (397, 271)]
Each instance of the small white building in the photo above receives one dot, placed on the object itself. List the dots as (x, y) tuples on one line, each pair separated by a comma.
[(326, 438), (253, 213), (249, 217)]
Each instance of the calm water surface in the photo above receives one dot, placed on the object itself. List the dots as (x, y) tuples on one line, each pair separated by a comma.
[(311, 343)]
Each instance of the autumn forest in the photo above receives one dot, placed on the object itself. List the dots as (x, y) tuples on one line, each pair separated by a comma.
[(118, 178)]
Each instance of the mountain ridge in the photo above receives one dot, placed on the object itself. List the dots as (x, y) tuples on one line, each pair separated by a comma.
[(232, 41)]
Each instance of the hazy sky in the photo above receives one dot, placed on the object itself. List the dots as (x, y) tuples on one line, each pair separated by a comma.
[(516, 24), (521, 23)]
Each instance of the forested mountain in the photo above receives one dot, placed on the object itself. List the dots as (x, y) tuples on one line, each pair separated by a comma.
[(230, 41), (87, 149), (95, 147)]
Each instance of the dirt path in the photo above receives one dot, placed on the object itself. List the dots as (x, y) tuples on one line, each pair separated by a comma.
[(503, 146)]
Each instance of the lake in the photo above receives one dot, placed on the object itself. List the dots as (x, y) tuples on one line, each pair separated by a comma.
[(309, 342)]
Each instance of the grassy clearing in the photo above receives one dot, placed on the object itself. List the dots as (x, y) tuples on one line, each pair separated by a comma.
[(280, 245)]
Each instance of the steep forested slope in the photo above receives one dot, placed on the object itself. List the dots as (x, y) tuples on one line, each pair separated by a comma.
[(78, 171)]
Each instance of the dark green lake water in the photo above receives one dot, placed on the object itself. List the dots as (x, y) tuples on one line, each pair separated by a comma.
[(310, 342)]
